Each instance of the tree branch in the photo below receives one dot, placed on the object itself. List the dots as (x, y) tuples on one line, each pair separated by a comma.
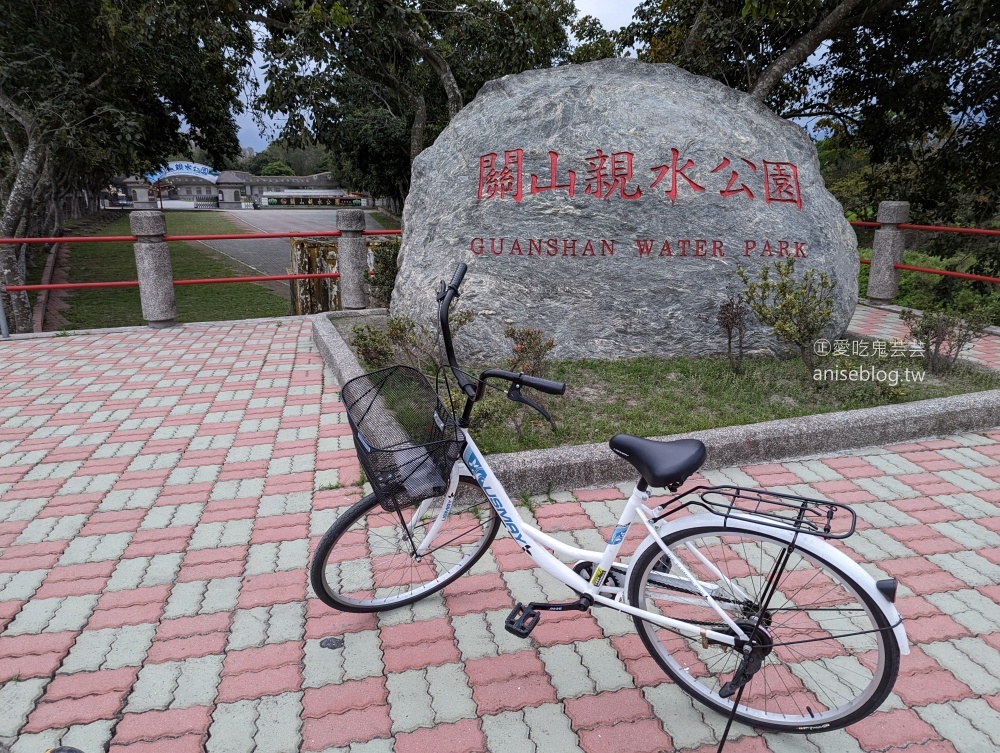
[(800, 51), (436, 61), (696, 26)]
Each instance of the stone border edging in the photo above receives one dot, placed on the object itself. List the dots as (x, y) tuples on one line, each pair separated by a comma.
[(580, 466)]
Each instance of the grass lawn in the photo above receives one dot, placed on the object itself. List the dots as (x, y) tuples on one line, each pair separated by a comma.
[(652, 397), (387, 222), (118, 307)]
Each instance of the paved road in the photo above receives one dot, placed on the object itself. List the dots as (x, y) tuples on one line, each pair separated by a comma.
[(272, 256), (160, 491)]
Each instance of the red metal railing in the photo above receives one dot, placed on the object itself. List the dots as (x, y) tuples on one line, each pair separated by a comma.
[(169, 238), (931, 228), (337, 233), (937, 229)]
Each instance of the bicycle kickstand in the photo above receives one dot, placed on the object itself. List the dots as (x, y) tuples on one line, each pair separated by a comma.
[(729, 721)]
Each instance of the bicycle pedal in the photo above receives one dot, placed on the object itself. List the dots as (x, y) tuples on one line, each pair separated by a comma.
[(521, 620)]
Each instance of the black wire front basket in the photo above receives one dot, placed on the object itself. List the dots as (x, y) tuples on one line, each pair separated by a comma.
[(405, 437)]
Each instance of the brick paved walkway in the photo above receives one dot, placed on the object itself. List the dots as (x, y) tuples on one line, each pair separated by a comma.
[(159, 495)]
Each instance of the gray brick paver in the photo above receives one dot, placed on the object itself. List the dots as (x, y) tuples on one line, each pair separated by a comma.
[(362, 655), (233, 728), (52, 615), (34, 742), (969, 480), (970, 660), (25, 509), (886, 487), (249, 628), (84, 549), (198, 681), (22, 585), (549, 729), (968, 533), (378, 745), (892, 465), (569, 676), (17, 699), (473, 636), (956, 728), (286, 622), (883, 515), (969, 608), (451, 696), (409, 700), (875, 545), (322, 666), (970, 567), (508, 731), (606, 670), (967, 456), (155, 686), (279, 727), (129, 499), (967, 504), (89, 737)]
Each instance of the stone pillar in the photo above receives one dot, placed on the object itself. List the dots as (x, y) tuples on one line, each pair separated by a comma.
[(352, 259), (156, 277), (887, 250)]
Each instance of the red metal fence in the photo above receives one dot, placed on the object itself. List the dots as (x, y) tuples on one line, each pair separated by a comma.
[(336, 233), (937, 229), (168, 238)]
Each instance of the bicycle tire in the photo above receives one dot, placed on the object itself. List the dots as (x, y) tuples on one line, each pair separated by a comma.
[(819, 673), (362, 563)]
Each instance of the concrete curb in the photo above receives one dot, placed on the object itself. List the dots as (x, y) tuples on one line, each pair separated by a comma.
[(580, 466)]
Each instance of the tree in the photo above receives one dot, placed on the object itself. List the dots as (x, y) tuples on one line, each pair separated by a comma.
[(350, 72), (277, 167), (907, 88), (90, 89)]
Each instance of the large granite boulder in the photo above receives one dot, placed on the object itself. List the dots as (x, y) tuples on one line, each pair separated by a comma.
[(609, 204)]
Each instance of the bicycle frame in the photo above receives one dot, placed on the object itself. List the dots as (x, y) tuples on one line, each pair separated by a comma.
[(536, 544)]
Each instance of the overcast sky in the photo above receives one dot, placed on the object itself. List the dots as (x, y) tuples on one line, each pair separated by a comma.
[(612, 13)]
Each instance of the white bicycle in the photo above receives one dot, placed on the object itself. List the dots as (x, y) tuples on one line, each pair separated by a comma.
[(745, 604)]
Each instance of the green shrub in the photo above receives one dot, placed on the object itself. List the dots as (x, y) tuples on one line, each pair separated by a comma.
[(372, 346), (384, 271), (733, 318), (796, 310), (403, 341), (943, 334)]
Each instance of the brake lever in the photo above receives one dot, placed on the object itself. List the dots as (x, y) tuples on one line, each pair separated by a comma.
[(514, 393), (442, 291)]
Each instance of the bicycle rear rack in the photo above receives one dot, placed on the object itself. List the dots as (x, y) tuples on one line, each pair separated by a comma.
[(789, 512)]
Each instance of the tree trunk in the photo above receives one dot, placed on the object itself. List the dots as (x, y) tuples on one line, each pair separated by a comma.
[(800, 51), (15, 207), (440, 66)]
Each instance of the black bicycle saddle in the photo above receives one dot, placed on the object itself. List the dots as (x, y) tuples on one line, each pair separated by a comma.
[(660, 463)]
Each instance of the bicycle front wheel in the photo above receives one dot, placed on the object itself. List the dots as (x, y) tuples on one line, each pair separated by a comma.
[(828, 656), (371, 560)]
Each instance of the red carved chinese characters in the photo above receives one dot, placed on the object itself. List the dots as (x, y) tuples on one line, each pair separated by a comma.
[(781, 183), (602, 180), (675, 172), (734, 176), (503, 182), (553, 165), (610, 174)]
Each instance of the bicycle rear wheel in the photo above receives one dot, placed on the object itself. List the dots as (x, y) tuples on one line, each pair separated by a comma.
[(829, 658), (367, 561)]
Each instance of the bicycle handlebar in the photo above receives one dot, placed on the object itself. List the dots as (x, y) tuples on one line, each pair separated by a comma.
[(460, 270), (474, 390)]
